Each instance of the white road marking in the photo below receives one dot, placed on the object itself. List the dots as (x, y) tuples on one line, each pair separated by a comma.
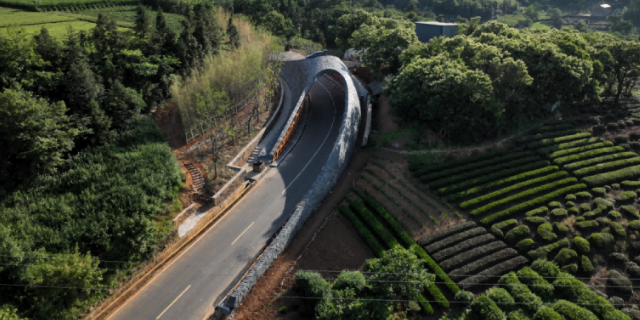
[(174, 301), (323, 142), (245, 230)]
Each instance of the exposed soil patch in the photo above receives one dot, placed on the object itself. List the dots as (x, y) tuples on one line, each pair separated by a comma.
[(385, 116)]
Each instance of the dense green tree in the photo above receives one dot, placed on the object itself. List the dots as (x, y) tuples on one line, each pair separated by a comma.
[(142, 24), (234, 35), (278, 24), (34, 136), (626, 55), (383, 42), (48, 48), (349, 23), (164, 38), (206, 31), (19, 63)]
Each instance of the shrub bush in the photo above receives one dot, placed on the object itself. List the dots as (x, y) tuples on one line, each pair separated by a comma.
[(612, 126), (618, 258), (471, 255), (617, 302), (542, 211), (528, 193), (630, 185), (595, 212), (560, 228), (606, 167), (554, 204), (582, 245), (570, 197), (601, 240), (499, 228), (615, 186), (570, 268), (629, 123), (525, 245), (585, 207), (518, 233), (603, 221), (634, 145), (470, 167), (492, 185), (634, 314), (363, 232), (484, 276), (630, 211), (463, 246), (520, 292), (569, 204), (606, 203), (480, 172), (476, 266), (633, 270), (599, 192), (484, 308), (492, 177), (452, 240), (578, 219), (569, 145), (581, 149), (530, 204), (502, 298), (545, 231), (620, 282), (546, 313), (634, 136), (587, 155), (536, 221), (618, 229), (565, 256), (599, 130), (421, 169), (573, 211), (583, 196), (614, 215), (587, 267), (544, 250), (536, 283), (571, 311), (559, 213), (634, 225), (426, 240), (464, 296), (518, 186), (626, 197), (588, 224), (611, 177), (621, 138), (621, 124), (545, 268), (549, 142)]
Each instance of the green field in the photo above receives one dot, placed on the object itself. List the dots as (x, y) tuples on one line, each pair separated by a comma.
[(23, 18), (511, 20), (61, 3), (127, 15)]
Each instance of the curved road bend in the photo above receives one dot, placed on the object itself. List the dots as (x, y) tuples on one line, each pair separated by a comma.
[(193, 285)]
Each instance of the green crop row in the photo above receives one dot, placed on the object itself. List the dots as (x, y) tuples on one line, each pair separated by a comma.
[(568, 152), (474, 267), (587, 155), (605, 167), (546, 128), (521, 185), (373, 223), (501, 182), (536, 283), (597, 160), (531, 204), (521, 195), (546, 135), (498, 229), (543, 251), (486, 275), (549, 142), (575, 290), (433, 290), (480, 172), (613, 176), (572, 311), (471, 166), (435, 236), (491, 177), (472, 255), (420, 169), (464, 246), (427, 200), (452, 240), (364, 233), (567, 145), (520, 292)]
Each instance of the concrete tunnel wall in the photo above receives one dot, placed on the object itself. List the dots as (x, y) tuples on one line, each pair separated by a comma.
[(300, 75)]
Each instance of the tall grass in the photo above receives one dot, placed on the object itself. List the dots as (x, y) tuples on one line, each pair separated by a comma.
[(240, 74)]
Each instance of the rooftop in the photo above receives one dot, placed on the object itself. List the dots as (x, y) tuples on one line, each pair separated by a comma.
[(434, 23)]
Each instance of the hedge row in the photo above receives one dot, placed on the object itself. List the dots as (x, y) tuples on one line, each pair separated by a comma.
[(436, 269), (547, 128), (521, 292), (571, 151), (587, 155), (546, 135), (473, 254), (618, 229), (498, 228), (374, 224), (605, 167), (420, 169), (549, 142), (576, 290), (544, 250), (518, 233), (433, 290), (471, 166), (481, 172), (524, 194), (568, 145), (435, 247), (572, 311), (364, 233), (426, 240), (545, 231), (501, 182), (501, 268), (597, 160), (537, 284), (492, 177), (542, 211), (517, 186), (474, 267), (611, 177), (630, 184), (531, 204), (463, 246)]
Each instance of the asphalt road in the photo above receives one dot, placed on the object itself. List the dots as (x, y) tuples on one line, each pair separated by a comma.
[(192, 286)]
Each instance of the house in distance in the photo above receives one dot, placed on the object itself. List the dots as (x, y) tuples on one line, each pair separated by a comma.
[(431, 29)]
